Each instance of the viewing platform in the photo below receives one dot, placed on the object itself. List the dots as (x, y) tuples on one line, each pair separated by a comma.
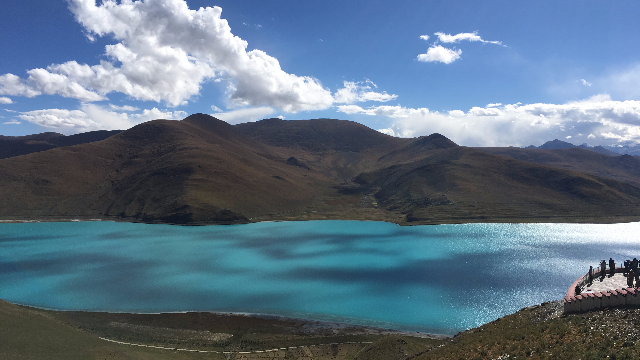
[(604, 288)]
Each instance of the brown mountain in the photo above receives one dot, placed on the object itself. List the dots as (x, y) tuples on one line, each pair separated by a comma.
[(463, 184), (619, 167), (21, 145), (202, 170)]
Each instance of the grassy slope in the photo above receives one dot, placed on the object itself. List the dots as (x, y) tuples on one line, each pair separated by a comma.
[(541, 332), (538, 332), (27, 333), (34, 334)]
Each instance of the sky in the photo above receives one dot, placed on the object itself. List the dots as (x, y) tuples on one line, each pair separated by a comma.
[(482, 73)]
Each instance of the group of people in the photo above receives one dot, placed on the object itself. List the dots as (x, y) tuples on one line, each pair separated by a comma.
[(630, 271)]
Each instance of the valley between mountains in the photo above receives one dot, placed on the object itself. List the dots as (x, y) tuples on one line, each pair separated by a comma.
[(202, 170)]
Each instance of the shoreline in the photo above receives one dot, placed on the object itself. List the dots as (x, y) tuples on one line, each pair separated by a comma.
[(497, 220), (311, 324)]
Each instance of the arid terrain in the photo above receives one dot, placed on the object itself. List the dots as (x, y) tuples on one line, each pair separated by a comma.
[(202, 170), (538, 332)]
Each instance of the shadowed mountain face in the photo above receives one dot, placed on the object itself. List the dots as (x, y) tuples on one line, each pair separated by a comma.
[(202, 171)]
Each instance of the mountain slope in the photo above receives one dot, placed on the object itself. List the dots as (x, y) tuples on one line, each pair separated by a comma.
[(463, 184), (197, 170), (338, 149), (621, 167), (559, 144)]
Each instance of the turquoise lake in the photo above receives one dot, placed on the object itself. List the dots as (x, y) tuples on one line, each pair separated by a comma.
[(438, 279)]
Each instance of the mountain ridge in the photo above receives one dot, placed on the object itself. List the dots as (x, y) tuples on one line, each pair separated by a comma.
[(202, 170)]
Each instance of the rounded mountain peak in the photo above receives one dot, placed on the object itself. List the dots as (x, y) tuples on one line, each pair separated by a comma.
[(434, 141)]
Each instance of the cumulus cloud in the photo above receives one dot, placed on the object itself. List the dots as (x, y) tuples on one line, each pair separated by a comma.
[(438, 53), (446, 38), (598, 119), (488, 111), (424, 37), (5, 100), (165, 51), (12, 85), (361, 92), (244, 115), (94, 117)]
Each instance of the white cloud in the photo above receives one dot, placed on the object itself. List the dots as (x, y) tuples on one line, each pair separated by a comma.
[(12, 85), (216, 109), (244, 115), (41, 81), (124, 108), (494, 104), (446, 38), (165, 52), (383, 110), (93, 117), (12, 122), (488, 111), (5, 100), (604, 120), (55, 81), (388, 131), (585, 82), (360, 92), (59, 118), (424, 37), (437, 53)]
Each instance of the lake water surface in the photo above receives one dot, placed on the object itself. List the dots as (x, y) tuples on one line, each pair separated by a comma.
[(439, 279)]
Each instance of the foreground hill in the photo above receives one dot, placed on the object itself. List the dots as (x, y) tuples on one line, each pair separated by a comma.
[(202, 170), (537, 332)]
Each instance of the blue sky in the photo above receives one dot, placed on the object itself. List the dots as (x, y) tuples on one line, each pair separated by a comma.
[(489, 73)]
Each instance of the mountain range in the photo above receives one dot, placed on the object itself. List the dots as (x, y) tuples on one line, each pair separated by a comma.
[(607, 150), (202, 170)]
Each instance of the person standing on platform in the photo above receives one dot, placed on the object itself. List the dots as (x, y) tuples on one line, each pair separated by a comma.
[(612, 267)]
